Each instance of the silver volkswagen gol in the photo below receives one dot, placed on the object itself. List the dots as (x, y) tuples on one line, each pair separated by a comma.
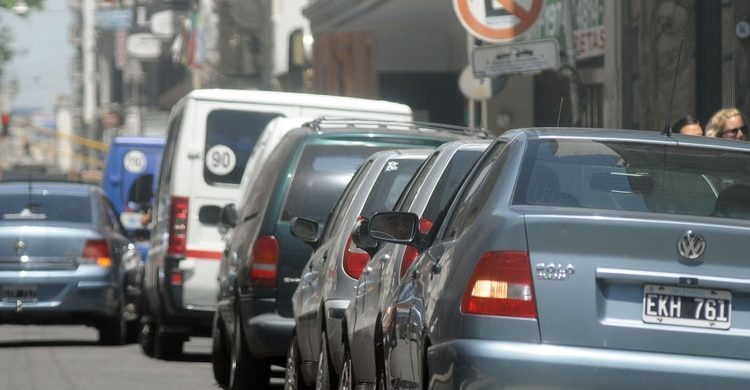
[(585, 259), (427, 195), (333, 268)]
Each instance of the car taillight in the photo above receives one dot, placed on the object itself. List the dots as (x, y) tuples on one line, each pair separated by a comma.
[(176, 278), (411, 252), (97, 252), (178, 223), (355, 259), (265, 262), (501, 285)]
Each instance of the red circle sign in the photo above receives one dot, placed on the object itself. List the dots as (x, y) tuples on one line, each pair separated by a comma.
[(497, 20)]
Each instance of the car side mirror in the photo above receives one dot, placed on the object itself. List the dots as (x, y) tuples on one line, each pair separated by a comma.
[(306, 230), (395, 227), (228, 215), (362, 239)]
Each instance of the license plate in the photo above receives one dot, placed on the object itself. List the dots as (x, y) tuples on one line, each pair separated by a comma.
[(19, 293), (696, 307)]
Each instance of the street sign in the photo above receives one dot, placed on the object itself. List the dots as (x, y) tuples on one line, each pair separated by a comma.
[(516, 58), (114, 19), (143, 46), (497, 20)]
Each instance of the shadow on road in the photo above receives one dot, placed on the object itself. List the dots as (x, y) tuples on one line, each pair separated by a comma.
[(191, 357), (47, 343)]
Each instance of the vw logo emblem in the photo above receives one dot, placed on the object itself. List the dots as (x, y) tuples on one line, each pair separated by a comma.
[(20, 246), (691, 245)]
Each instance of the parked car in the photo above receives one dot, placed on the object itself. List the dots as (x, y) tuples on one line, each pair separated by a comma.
[(303, 177), (64, 258), (336, 263), (428, 195), (581, 258), (211, 135)]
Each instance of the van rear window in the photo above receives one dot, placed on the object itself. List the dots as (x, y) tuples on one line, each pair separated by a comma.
[(322, 174), (230, 140)]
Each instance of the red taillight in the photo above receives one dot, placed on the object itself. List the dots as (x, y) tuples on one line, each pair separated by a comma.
[(178, 223), (176, 278), (411, 252), (355, 259), (97, 252), (265, 262), (501, 285)]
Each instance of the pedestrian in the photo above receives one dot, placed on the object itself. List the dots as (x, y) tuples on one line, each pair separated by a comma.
[(688, 125), (727, 123), (5, 117)]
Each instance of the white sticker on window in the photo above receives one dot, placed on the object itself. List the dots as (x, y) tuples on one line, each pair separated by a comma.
[(134, 161), (220, 160), (392, 166)]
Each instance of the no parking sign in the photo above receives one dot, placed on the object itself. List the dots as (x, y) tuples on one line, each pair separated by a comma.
[(497, 20)]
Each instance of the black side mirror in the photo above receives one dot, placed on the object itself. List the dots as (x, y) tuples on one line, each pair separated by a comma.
[(228, 215), (396, 227), (306, 230), (362, 239)]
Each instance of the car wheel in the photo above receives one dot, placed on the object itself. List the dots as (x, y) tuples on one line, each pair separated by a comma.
[(324, 379), (293, 378), (167, 346), (220, 358), (245, 371), (113, 330), (346, 382), (146, 338)]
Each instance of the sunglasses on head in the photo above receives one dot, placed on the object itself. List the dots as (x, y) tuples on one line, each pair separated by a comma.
[(742, 128)]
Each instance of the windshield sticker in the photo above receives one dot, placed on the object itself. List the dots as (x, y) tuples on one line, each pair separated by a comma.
[(134, 161), (391, 166), (220, 160)]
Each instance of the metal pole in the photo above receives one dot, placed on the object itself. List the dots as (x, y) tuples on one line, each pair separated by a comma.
[(472, 103), (88, 43), (570, 55)]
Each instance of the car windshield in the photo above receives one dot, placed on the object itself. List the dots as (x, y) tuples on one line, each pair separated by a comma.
[(44, 207), (634, 176)]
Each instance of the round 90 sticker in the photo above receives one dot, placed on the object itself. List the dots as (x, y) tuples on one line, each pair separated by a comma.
[(134, 161), (220, 160)]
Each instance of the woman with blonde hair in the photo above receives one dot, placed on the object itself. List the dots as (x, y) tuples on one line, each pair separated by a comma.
[(727, 123)]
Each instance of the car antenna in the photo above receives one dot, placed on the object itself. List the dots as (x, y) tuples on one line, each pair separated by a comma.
[(668, 126), (28, 175), (559, 111)]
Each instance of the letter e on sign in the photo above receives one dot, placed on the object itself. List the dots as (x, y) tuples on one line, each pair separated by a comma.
[(497, 20)]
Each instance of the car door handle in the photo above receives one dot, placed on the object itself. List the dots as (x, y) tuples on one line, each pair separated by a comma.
[(385, 258), (436, 268)]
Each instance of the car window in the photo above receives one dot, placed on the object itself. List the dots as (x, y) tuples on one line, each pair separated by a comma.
[(230, 140), (45, 207), (450, 180), (469, 200), (322, 173), (412, 189), (390, 183), (345, 200), (634, 176)]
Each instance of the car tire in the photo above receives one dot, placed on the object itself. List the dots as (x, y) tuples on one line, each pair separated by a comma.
[(220, 355), (147, 338), (293, 379), (245, 371), (167, 346), (346, 381), (113, 330), (325, 379)]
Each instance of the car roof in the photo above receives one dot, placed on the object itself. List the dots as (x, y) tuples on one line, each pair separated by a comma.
[(334, 126), (132, 140), (53, 186)]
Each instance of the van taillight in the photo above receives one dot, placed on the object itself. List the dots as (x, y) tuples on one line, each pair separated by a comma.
[(355, 259), (97, 252), (178, 224), (501, 285), (265, 262)]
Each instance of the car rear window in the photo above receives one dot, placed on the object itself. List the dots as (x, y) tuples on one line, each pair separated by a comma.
[(633, 176), (323, 171), (45, 207), (392, 180), (230, 140)]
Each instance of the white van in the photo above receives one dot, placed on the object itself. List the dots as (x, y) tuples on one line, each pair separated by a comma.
[(210, 137)]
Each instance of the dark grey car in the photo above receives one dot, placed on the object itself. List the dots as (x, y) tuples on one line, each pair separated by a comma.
[(64, 259), (428, 194), (576, 258)]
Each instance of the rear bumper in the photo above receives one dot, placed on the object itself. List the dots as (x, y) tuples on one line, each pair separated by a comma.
[(267, 333), (488, 364)]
